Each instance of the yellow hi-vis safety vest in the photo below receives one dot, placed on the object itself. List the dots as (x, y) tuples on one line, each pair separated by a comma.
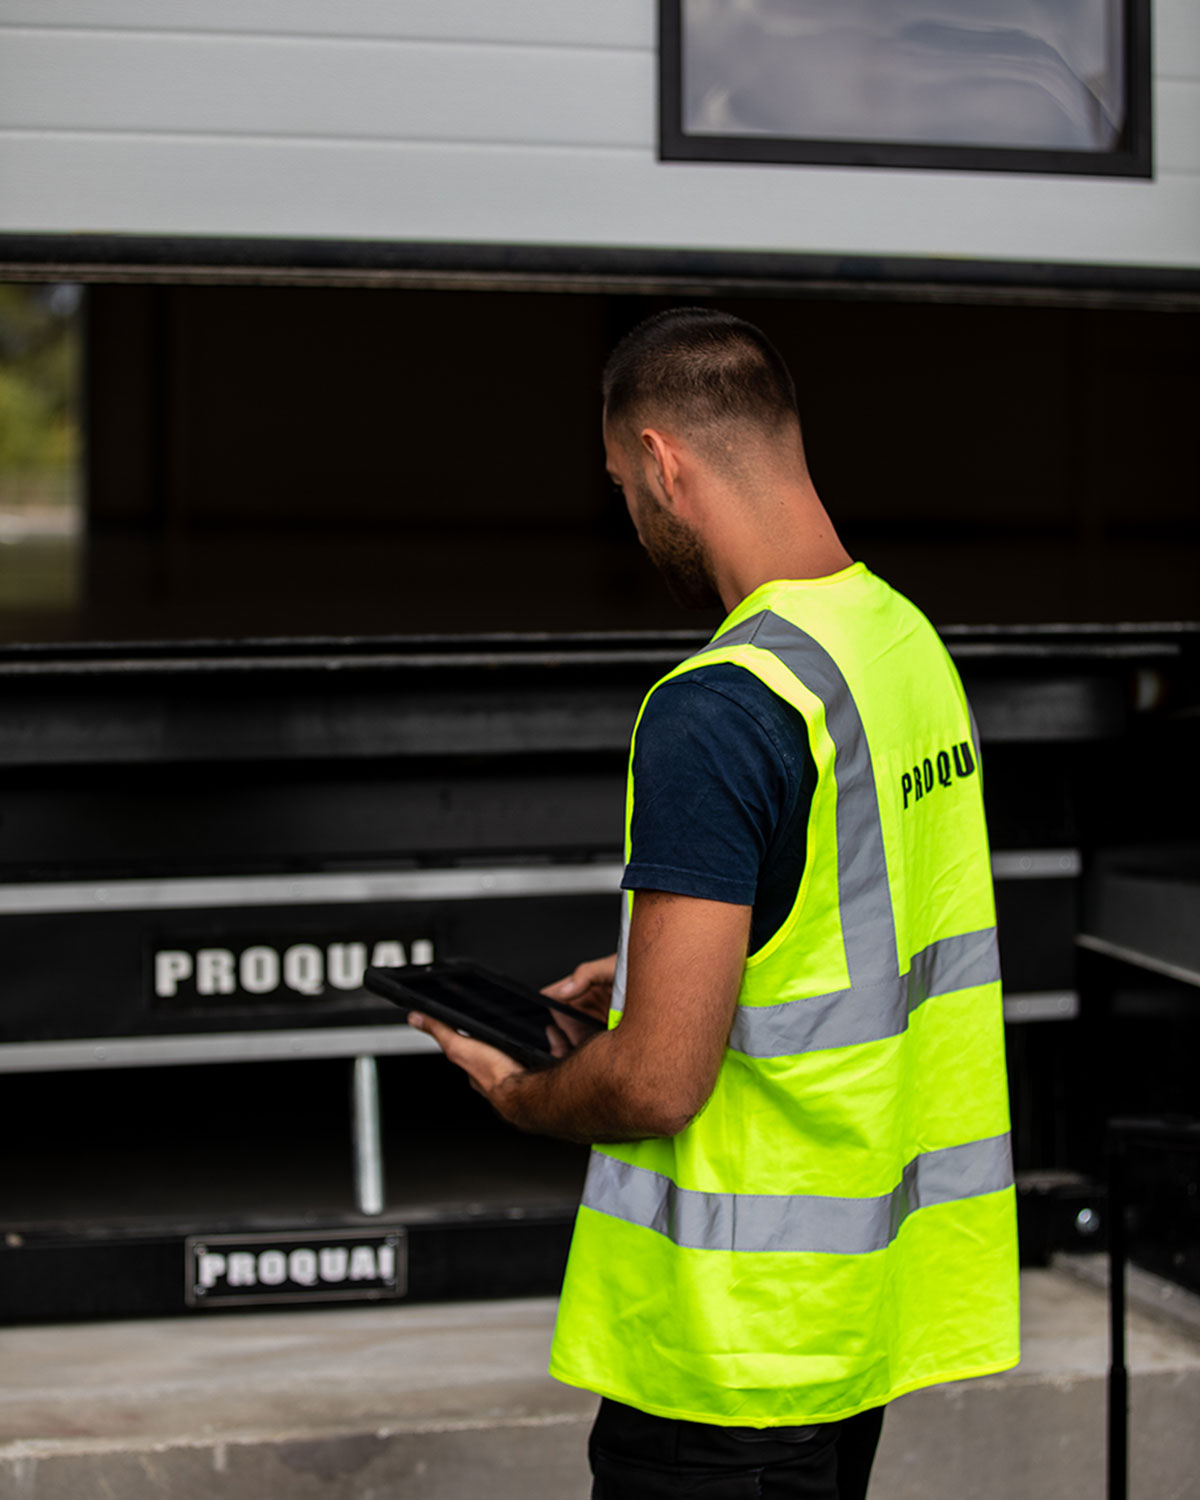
[(837, 1225)]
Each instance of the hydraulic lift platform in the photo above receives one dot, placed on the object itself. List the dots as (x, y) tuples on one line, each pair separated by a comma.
[(203, 844)]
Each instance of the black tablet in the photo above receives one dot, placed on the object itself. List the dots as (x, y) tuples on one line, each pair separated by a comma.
[(489, 1006)]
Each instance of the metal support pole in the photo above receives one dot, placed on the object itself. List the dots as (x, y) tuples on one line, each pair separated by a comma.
[(1118, 1375), (368, 1147)]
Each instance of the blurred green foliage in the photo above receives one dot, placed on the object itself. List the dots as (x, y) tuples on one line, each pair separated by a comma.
[(39, 370), (40, 489)]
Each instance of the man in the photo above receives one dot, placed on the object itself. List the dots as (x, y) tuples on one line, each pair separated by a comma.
[(800, 1199)]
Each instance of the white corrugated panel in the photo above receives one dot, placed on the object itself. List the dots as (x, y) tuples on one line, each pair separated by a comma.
[(321, 89), (1177, 118), (1176, 34), (610, 23), (527, 122)]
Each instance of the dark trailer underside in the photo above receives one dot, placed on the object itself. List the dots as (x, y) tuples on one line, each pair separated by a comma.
[(358, 637)]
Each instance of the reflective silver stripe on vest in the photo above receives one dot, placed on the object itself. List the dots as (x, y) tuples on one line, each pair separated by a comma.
[(864, 896), (879, 999), (871, 1011), (621, 974), (806, 1223)]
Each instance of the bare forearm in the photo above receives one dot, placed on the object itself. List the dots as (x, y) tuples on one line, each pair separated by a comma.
[(651, 1075), (587, 1097)]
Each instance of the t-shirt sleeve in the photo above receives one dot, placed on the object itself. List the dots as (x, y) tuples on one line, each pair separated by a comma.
[(711, 788)]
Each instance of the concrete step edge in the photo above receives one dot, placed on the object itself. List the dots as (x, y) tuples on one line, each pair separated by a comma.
[(22, 1450)]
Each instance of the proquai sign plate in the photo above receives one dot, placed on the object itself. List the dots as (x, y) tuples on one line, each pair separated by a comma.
[(225, 1270)]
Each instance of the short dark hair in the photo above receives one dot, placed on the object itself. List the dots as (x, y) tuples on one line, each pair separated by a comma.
[(702, 368)]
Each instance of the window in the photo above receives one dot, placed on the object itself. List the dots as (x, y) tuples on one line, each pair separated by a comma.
[(1058, 86), (40, 464)]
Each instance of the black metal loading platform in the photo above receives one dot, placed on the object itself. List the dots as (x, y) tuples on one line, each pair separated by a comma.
[(302, 801)]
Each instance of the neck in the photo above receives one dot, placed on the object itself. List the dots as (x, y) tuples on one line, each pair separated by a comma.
[(792, 537)]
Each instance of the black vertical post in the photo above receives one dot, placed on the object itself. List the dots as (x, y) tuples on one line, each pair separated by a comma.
[(1118, 1377)]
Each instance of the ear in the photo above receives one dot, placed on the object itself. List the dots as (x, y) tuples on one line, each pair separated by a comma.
[(660, 459)]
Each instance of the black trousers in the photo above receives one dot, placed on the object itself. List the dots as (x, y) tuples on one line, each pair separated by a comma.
[(639, 1457)]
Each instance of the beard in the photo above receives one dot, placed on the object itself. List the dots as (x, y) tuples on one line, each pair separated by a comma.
[(678, 554)]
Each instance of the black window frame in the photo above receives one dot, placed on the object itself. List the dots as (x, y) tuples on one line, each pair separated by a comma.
[(1133, 157)]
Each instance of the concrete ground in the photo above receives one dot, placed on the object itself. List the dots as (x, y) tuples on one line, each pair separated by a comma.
[(452, 1402)]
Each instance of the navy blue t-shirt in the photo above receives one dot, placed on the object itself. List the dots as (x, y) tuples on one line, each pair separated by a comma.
[(724, 781)]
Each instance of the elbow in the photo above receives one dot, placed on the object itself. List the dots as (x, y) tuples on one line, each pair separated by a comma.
[(655, 1101), (672, 1124), (666, 1114)]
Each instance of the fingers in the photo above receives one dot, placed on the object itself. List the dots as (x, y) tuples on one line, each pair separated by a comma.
[(486, 1066), (594, 1002), (562, 989), (576, 1031), (594, 973), (445, 1036), (567, 1032)]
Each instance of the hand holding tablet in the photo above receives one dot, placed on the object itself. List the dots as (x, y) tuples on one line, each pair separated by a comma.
[(488, 1006)]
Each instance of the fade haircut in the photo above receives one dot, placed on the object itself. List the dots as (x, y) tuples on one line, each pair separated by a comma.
[(701, 371)]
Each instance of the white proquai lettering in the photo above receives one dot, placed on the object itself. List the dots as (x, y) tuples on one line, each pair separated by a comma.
[(241, 1269), (210, 1268), (388, 956), (362, 1264), (259, 970), (169, 968), (304, 969), (421, 951), (347, 964), (302, 1267), (272, 1268), (334, 1259), (215, 972)]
